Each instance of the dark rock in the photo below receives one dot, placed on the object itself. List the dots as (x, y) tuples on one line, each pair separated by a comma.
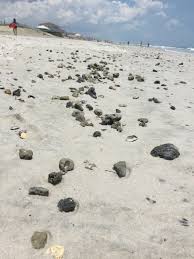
[(155, 100), (121, 168), (39, 240), (97, 134), (67, 205), (25, 154), (157, 82), (64, 98), (89, 107), (131, 77), (92, 92), (17, 92), (54, 178), (66, 164), (39, 191), (154, 70), (139, 78), (40, 76), (98, 112), (172, 107), (31, 96), (79, 115), (166, 151), (69, 104), (109, 119), (78, 106), (143, 122), (115, 75), (118, 111)]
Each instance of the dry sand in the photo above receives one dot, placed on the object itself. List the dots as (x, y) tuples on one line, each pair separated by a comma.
[(114, 219)]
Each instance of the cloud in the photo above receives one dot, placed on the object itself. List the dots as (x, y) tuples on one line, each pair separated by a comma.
[(79, 11), (173, 23)]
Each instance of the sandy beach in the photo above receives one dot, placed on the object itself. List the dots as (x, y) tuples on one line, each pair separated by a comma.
[(149, 213)]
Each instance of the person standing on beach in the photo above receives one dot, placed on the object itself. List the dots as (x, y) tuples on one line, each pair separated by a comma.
[(14, 26)]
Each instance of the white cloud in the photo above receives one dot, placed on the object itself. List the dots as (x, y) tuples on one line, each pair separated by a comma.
[(77, 11), (172, 24)]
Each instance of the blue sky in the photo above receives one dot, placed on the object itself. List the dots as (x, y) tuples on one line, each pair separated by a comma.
[(160, 22)]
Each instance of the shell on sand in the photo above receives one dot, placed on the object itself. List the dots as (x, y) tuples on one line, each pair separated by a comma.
[(56, 251)]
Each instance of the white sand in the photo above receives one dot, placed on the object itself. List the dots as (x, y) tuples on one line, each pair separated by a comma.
[(114, 219)]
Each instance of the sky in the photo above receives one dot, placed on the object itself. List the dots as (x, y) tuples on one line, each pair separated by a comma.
[(159, 22)]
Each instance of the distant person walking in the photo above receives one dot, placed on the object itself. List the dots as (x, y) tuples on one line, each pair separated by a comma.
[(14, 26)]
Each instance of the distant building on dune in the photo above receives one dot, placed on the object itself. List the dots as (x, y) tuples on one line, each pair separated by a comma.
[(52, 29)]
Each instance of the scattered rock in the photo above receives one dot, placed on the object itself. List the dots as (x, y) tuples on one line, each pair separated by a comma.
[(166, 151), (172, 107), (150, 200), (39, 240), (39, 191), (54, 178), (121, 169), (109, 119), (40, 76), (98, 112), (155, 100), (131, 77), (64, 98), (89, 107), (139, 78), (7, 91), (132, 138), (184, 222), (143, 122), (157, 82), (67, 205), (25, 154), (66, 164), (97, 134), (17, 92), (78, 106), (92, 92)]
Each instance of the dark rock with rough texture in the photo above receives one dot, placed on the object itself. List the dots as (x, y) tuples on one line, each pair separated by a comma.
[(131, 77), (79, 115), (39, 191), (109, 119), (121, 168), (66, 164), (67, 205), (155, 100), (166, 151), (98, 112), (39, 240), (17, 92), (69, 104), (115, 75), (78, 106), (97, 134), (64, 98), (40, 76), (54, 178), (172, 107), (140, 78), (117, 125), (157, 82), (25, 154), (143, 122), (89, 107), (92, 92)]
